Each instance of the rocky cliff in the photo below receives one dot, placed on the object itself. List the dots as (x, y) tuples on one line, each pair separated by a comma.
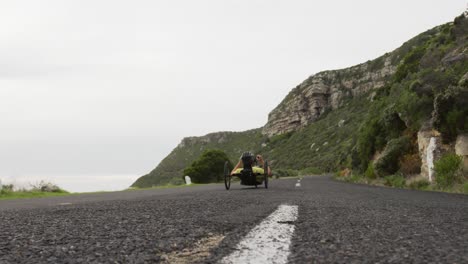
[(325, 91), (328, 90)]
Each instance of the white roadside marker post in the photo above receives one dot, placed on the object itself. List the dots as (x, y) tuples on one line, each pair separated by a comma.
[(188, 181)]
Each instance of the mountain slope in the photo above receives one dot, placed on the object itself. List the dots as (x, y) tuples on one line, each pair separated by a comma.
[(345, 118), (170, 170)]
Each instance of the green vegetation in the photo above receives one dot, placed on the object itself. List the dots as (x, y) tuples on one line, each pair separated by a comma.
[(376, 131), (410, 63), (28, 194), (448, 177), (422, 184), (395, 180), (388, 163), (310, 171), (451, 113), (286, 173), (323, 146), (400, 181), (370, 172), (42, 189), (430, 87), (280, 173), (209, 167), (427, 86), (448, 171)]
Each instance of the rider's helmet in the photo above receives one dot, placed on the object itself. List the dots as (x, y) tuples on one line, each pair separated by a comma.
[(247, 154), (247, 157)]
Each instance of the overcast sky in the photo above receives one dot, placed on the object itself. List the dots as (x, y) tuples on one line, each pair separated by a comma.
[(108, 88)]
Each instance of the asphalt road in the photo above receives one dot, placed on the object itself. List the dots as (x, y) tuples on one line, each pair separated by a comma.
[(337, 222)]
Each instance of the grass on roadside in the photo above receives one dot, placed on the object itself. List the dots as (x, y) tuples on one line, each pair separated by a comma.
[(40, 189), (167, 186), (398, 181), (8, 195), (449, 177)]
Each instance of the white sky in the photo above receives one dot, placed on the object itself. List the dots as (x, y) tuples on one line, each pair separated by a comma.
[(95, 88)]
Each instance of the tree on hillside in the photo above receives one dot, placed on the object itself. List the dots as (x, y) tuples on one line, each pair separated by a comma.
[(209, 167)]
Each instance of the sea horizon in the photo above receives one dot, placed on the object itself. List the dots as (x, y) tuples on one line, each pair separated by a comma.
[(74, 182)]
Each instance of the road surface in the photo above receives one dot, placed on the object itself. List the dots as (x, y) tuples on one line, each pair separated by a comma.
[(314, 220)]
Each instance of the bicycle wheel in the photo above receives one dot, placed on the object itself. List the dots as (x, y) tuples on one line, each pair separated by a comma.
[(227, 175)]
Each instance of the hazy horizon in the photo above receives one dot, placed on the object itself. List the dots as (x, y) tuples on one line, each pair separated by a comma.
[(94, 94)]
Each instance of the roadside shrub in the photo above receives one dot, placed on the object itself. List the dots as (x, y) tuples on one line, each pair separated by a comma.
[(395, 181), (7, 187), (310, 171), (44, 186), (419, 185), (177, 181), (353, 178), (465, 187), (370, 173), (285, 173), (343, 173), (292, 172), (209, 167), (388, 163), (448, 170), (278, 173)]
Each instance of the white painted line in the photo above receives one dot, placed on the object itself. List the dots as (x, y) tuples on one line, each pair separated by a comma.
[(64, 203), (298, 184), (269, 241)]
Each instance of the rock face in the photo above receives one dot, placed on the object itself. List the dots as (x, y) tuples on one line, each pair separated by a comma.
[(429, 144), (217, 137), (461, 149), (431, 149), (326, 91)]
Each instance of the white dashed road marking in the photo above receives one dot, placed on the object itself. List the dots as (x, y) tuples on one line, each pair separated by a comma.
[(298, 184), (269, 241)]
